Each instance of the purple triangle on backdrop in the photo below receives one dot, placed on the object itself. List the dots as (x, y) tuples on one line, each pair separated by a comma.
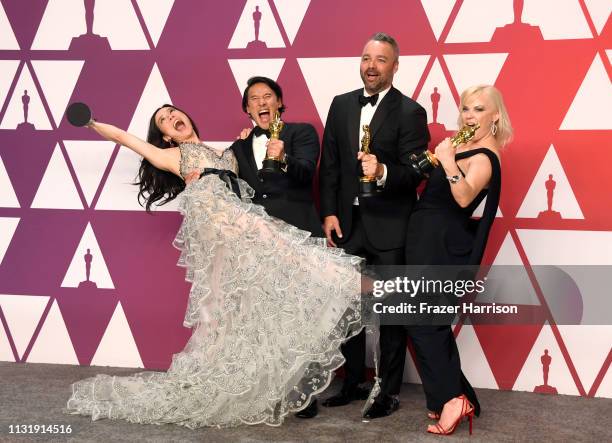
[(26, 163), (150, 285), (86, 313), (25, 20)]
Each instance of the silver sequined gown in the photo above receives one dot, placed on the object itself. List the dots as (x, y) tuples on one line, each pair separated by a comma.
[(269, 305)]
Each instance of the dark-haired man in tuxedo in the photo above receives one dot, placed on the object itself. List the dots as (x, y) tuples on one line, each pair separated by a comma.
[(287, 195), (373, 227)]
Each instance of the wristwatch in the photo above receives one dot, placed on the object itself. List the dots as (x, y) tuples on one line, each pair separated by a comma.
[(452, 179), (284, 162)]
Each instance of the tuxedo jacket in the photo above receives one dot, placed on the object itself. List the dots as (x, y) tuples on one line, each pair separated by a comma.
[(287, 195), (398, 129)]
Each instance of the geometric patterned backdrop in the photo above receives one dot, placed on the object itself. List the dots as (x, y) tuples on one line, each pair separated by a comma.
[(66, 203)]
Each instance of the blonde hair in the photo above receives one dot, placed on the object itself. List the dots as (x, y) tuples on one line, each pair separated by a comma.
[(504, 127)]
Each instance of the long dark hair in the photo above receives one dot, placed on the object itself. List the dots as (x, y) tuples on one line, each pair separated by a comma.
[(155, 184)]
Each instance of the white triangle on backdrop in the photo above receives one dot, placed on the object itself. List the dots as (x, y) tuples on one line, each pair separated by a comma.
[(508, 255), (153, 96), (410, 71), (36, 112), (22, 314), (532, 373), (591, 106), (243, 69), (117, 20), (89, 160), (438, 13), (447, 108), (564, 200), (292, 13), (474, 364), (53, 344), (119, 193), (480, 209), (114, 19), (6, 353), (588, 344), (57, 189), (600, 12), (8, 198), (117, 347), (61, 21), (562, 247), (7, 37), (245, 29), (567, 21), (155, 14), (588, 347), (490, 15), (8, 69), (8, 226), (474, 69), (58, 78), (324, 87), (507, 280), (99, 270)]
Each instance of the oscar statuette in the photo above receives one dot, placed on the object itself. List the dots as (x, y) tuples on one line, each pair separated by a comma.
[(425, 162), (270, 164), (368, 185)]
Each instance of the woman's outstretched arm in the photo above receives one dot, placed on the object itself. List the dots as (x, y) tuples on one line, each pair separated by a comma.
[(164, 159)]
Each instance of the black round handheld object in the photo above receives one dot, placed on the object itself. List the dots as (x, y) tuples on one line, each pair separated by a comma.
[(78, 114)]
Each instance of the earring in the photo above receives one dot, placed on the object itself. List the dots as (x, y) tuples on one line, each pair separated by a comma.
[(493, 128)]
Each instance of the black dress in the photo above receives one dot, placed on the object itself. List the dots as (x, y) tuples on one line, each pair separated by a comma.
[(440, 232)]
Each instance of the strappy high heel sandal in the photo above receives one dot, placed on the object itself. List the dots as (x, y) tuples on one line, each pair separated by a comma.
[(467, 410)]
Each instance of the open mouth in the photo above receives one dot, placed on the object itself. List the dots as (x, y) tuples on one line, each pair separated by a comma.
[(370, 75), (264, 115), (178, 125)]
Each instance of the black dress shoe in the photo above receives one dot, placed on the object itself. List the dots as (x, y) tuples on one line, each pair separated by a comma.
[(382, 407), (309, 411), (345, 396)]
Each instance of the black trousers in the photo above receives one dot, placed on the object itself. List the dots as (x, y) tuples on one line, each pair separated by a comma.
[(354, 350), (437, 359)]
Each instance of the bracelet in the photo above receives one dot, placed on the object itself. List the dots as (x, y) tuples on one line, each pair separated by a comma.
[(452, 179)]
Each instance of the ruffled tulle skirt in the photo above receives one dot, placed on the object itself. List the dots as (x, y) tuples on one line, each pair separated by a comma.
[(270, 307)]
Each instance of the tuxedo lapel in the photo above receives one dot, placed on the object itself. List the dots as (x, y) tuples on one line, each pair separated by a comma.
[(386, 106), (354, 116), (248, 151), (284, 135), (248, 168)]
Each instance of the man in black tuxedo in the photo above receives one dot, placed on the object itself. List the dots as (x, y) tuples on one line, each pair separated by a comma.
[(286, 195), (373, 227)]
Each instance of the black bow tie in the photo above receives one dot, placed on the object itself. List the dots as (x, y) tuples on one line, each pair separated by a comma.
[(363, 100), (257, 131)]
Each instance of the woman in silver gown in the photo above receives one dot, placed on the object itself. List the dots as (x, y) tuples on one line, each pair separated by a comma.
[(269, 305)]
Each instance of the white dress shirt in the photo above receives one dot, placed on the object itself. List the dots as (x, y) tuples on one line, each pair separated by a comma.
[(367, 112), (260, 149)]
